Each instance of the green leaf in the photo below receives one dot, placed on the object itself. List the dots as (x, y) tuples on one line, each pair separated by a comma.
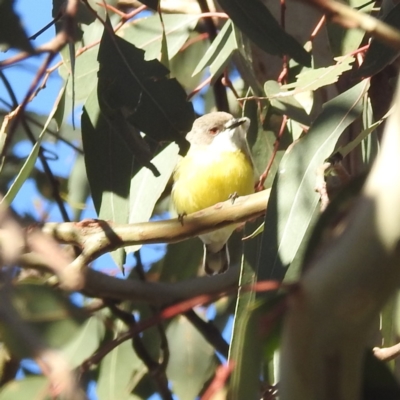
[(31, 387), (109, 167), (220, 52), (31, 159), (313, 79), (286, 105), (48, 312), (147, 33), (185, 61), (146, 188), (12, 33), (192, 360), (182, 260), (247, 383), (379, 55), (256, 21), (342, 40), (78, 187), (293, 199), (85, 341), (120, 372), (141, 91)]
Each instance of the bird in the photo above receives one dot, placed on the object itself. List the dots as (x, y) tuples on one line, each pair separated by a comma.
[(218, 166)]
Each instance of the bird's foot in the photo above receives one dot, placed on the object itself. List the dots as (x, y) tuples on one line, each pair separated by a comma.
[(233, 197), (180, 217)]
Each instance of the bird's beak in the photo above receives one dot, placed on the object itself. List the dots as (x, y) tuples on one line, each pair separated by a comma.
[(235, 122)]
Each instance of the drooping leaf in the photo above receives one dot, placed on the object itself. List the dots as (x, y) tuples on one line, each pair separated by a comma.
[(141, 91), (379, 55), (313, 79), (192, 360), (12, 33), (147, 33), (256, 21), (343, 40), (50, 314), (182, 260), (146, 188), (85, 342), (120, 371), (221, 50), (109, 167), (293, 198), (31, 387), (31, 159)]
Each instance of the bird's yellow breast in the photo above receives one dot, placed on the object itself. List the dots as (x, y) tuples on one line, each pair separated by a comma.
[(204, 178)]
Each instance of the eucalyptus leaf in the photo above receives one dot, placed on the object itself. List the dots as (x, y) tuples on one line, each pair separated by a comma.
[(313, 79), (379, 55), (143, 93), (255, 20), (146, 189), (31, 387), (293, 198), (12, 33), (192, 360)]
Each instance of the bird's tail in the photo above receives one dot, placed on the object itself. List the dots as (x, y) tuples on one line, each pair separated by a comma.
[(215, 262)]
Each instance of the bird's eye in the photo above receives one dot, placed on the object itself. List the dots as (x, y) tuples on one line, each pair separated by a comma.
[(213, 131)]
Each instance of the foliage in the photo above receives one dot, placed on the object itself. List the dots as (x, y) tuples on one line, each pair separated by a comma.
[(136, 74)]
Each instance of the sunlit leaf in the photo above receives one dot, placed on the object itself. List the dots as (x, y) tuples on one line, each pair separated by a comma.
[(146, 188), (313, 79), (192, 360), (85, 341), (256, 21), (293, 198), (120, 371), (147, 33), (220, 52)]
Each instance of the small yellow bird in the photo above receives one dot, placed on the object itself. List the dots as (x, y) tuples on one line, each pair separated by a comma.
[(217, 166)]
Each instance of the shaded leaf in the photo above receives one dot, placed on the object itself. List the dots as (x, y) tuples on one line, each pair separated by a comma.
[(313, 79), (12, 33), (192, 360), (342, 40), (256, 21), (379, 55), (182, 260), (151, 3), (78, 187), (293, 198), (109, 167), (140, 89), (31, 387), (146, 189)]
